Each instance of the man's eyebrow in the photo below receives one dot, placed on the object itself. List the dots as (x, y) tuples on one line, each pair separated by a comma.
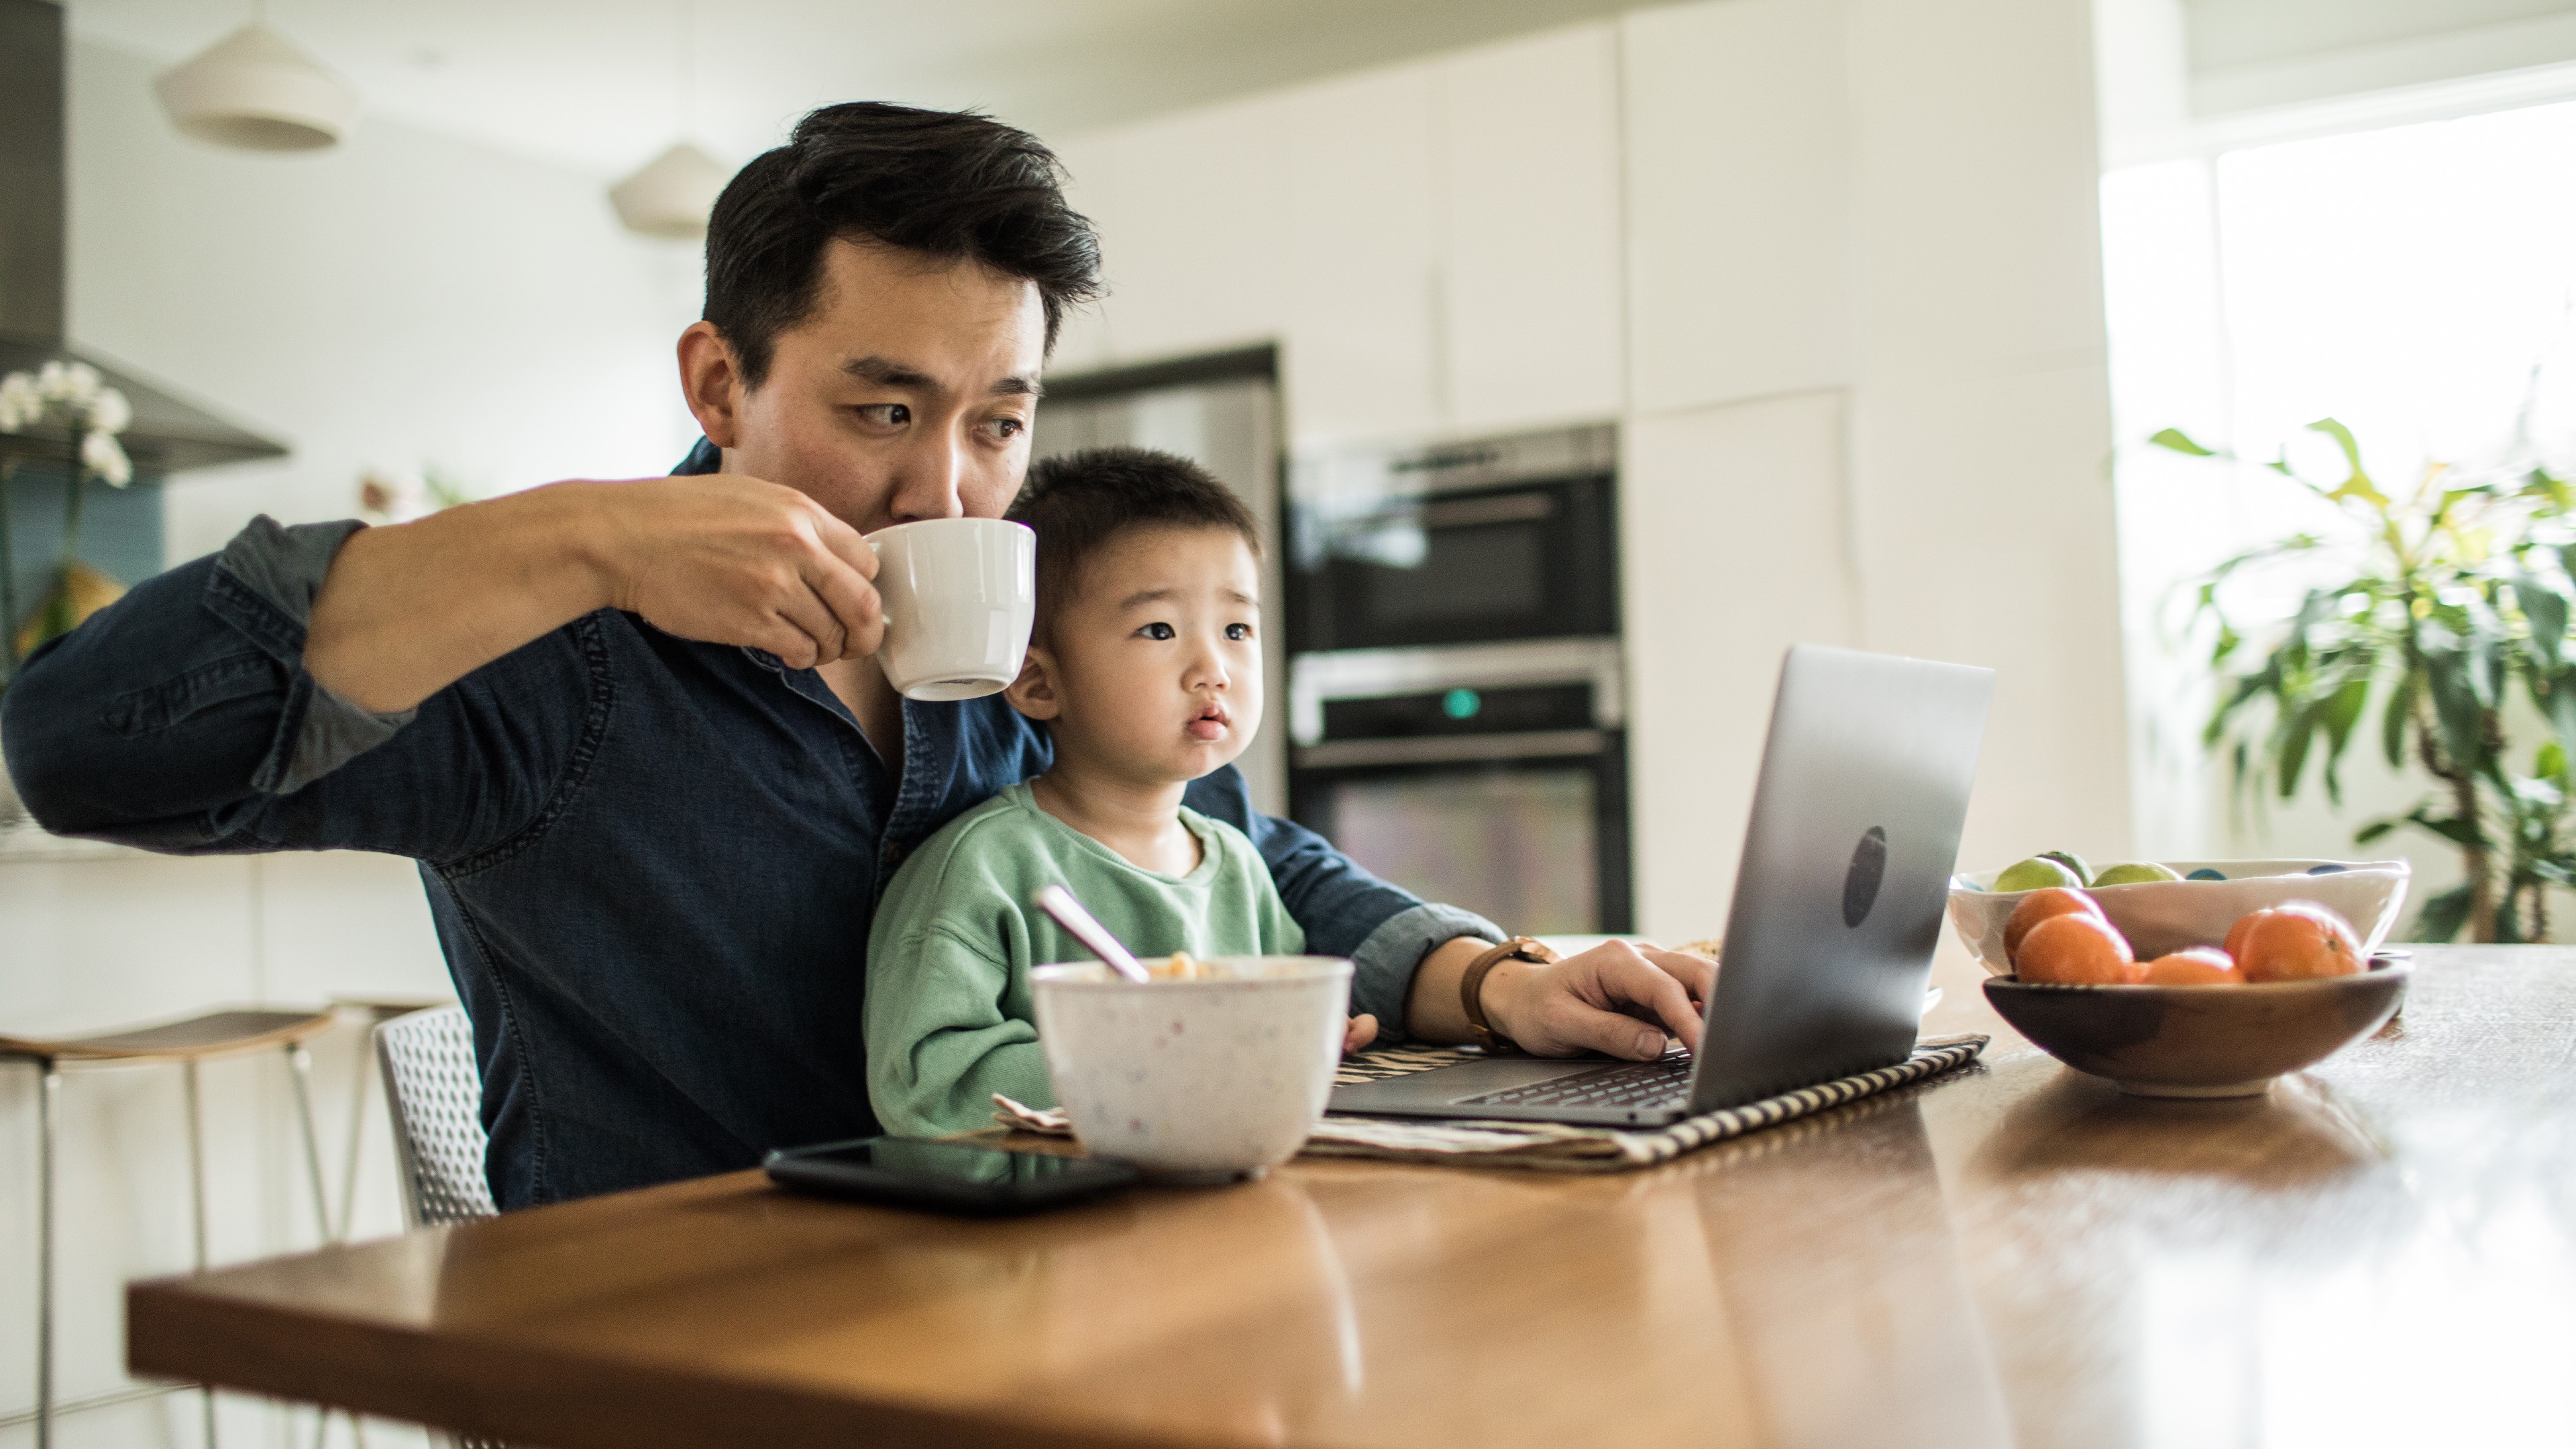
[(886, 372), (1026, 387)]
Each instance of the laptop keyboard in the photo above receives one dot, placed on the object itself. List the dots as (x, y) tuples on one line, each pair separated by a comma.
[(1664, 1082)]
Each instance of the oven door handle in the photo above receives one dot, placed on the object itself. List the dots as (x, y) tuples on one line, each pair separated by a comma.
[(1447, 749)]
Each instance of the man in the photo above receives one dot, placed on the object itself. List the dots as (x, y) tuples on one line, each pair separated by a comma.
[(634, 733)]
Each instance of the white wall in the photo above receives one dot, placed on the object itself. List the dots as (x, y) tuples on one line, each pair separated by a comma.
[(404, 300), (1833, 263)]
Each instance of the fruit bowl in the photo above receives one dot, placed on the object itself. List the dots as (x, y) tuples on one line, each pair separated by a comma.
[(2169, 915), (2200, 1041)]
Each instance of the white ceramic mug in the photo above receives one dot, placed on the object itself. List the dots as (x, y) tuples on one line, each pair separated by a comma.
[(960, 595), (1222, 1077)]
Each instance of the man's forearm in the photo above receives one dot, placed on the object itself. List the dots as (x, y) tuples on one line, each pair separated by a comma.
[(1433, 1010), (411, 608)]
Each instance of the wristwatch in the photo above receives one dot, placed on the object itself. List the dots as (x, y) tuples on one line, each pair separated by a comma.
[(1471, 988)]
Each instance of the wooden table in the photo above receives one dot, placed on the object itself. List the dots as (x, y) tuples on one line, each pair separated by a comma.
[(2383, 1251)]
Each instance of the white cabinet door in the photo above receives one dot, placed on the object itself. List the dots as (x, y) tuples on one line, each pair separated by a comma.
[(1735, 542), (1361, 353), (1191, 212), (1530, 153), (1739, 211)]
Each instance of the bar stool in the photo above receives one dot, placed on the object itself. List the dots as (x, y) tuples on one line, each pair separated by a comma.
[(188, 1042)]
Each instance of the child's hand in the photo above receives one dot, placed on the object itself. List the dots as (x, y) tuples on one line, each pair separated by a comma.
[(1361, 1031)]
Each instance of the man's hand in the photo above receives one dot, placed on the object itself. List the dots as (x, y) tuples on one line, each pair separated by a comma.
[(1621, 997), (734, 560), (409, 609), (1624, 998)]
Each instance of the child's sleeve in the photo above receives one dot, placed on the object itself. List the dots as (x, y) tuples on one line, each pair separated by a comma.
[(939, 1043)]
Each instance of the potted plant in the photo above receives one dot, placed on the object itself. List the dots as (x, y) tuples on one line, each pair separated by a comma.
[(73, 398), (2425, 613)]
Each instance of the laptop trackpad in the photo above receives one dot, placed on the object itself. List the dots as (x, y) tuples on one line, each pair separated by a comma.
[(1417, 1090)]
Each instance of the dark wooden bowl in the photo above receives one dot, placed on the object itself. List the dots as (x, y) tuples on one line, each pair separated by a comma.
[(2200, 1041)]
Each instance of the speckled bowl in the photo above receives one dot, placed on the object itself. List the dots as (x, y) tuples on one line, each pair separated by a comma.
[(2167, 915), (2200, 1041), (1212, 1078)]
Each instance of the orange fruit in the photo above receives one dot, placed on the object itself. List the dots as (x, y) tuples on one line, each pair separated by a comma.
[(2235, 944), (2300, 941), (2197, 966), (2039, 906), (2077, 948)]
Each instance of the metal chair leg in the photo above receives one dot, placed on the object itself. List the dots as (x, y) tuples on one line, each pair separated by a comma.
[(366, 1080), (197, 1209), (302, 1061), (48, 1091)]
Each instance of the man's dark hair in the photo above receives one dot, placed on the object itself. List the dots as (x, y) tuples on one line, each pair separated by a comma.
[(950, 185), (1077, 502)]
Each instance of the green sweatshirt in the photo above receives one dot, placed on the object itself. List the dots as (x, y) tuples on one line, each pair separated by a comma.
[(949, 1018)]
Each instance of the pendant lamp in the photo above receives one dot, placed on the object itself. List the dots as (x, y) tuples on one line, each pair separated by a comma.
[(671, 197), (255, 91)]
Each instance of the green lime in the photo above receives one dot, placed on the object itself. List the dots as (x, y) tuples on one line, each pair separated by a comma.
[(2135, 873), (2035, 873), (2073, 862)]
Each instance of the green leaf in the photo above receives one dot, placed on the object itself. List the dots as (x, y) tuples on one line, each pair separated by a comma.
[(2546, 608), (2376, 830), (2443, 915), (2550, 762), (2337, 717), (2180, 442), (2464, 833), (2290, 754), (2460, 725), (2357, 483), (2401, 713)]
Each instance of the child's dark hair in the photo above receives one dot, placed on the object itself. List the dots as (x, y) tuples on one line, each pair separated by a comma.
[(1077, 502)]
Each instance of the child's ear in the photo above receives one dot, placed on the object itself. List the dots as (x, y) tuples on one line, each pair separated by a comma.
[(1033, 693)]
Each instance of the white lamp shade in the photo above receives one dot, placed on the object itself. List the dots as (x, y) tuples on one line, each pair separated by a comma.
[(256, 91), (672, 195)]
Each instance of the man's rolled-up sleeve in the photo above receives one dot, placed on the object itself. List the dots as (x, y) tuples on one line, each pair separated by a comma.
[(181, 719), (1344, 910)]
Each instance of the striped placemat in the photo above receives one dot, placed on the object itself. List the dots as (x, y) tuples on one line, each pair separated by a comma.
[(1553, 1146)]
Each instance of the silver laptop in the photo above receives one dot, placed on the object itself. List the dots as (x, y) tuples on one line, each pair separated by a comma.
[(1838, 904)]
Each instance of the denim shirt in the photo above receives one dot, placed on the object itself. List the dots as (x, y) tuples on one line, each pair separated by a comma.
[(652, 862)]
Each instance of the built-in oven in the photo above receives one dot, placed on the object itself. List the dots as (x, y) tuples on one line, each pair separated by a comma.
[(1507, 539), (1489, 776)]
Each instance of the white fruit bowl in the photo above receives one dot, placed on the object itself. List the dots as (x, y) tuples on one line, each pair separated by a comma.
[(2159, 916)]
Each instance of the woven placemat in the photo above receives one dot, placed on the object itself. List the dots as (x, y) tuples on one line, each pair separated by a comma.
[(1552, 1146)]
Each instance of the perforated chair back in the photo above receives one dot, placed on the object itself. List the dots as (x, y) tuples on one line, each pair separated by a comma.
[(437, 1099)]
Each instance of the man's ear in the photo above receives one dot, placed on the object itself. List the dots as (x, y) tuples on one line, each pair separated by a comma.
[(711, 380), (1034, 693)]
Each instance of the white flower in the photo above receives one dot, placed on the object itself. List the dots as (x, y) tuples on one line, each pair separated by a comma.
[(20, 402), (101, 455), (81, 384), (53, 384), (109, 412)]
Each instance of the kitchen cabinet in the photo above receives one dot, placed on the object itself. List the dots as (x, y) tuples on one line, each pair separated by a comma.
[(1530, 314), (1361, 355), (1736, 542), (1738, 201), (1191, 211)]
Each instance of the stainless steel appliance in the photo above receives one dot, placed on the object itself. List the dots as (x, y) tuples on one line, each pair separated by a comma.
[(1221, 412), (1456, 701)]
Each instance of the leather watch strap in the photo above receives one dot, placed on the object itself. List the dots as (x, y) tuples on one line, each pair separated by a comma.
[(1471, 988)]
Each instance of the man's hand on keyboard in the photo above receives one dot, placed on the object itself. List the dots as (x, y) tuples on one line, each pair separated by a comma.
[(1624, 998)]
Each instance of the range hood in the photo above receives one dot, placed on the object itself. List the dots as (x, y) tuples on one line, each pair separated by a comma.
[(169, 434)]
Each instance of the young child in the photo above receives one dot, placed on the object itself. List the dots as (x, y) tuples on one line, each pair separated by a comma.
[(1145, 665)]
